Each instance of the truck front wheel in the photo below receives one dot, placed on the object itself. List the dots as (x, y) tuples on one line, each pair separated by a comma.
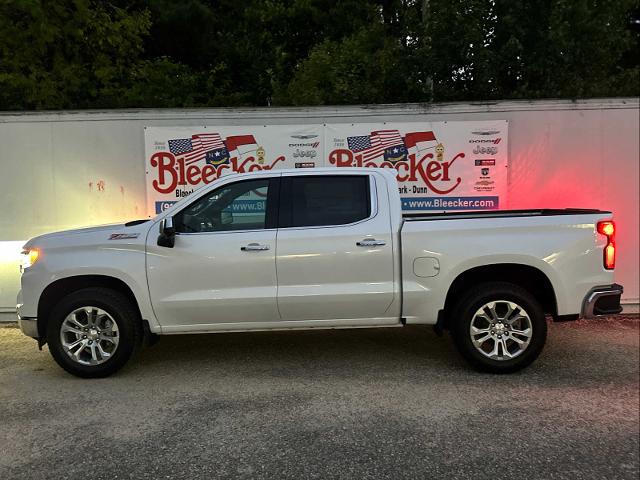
[(498, 327), (93, 332)]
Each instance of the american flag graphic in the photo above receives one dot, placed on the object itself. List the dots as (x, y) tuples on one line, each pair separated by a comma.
[(374, 145), (195, 148), (180, 146)]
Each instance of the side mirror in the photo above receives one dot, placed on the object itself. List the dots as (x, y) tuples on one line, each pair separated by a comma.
[(167, 237)]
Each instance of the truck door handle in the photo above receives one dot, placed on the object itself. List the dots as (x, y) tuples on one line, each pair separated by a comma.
[(370, 242), (254, 247)]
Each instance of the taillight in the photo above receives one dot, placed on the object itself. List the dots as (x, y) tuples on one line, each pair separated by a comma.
[(608, 229)]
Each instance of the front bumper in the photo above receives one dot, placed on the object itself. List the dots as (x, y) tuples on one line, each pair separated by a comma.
[(602, 300), (29, 326), (27, 320)]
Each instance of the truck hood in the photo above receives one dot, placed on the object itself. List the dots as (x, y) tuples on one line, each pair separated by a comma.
[(97, 234)]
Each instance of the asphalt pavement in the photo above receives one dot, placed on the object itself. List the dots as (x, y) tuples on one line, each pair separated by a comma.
[(349, 404)]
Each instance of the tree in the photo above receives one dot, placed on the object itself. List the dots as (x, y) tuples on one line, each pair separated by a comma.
[(67, 54), (478, 50), (565, 48), (162, 53)]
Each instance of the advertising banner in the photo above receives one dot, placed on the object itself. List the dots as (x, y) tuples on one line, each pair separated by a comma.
[(440, 166), (181, 159)]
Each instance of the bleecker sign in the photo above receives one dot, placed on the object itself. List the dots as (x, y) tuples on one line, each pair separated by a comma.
[(435, 175), (438, 167), (438, 164), (181, 159), (172, 171)]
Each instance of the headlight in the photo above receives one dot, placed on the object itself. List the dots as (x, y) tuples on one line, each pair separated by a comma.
[(29, 257)]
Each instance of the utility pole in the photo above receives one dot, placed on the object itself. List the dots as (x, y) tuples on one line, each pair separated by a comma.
[(426, 17)]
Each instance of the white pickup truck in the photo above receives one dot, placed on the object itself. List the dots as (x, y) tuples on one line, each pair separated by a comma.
[(316, 248)]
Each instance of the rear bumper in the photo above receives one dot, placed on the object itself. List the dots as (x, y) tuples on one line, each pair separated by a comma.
[(602, 300)]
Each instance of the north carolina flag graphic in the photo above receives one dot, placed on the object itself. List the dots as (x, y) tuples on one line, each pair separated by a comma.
[(395, 154), (216, 157), (390, 144)]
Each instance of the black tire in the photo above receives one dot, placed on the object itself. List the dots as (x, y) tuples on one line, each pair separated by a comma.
[(119, 307), (463, 314)]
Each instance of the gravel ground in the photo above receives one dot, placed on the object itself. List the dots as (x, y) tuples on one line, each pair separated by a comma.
[(359, 404)]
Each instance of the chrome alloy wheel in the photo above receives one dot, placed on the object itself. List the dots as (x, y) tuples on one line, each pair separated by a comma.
[(89, 335), (501, 330)]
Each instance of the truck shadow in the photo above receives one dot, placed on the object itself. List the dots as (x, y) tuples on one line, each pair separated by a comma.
[(410, 353), (341, 350)]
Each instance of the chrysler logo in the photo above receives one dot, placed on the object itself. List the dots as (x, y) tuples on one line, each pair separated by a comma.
[(486, 132), (303, 137)]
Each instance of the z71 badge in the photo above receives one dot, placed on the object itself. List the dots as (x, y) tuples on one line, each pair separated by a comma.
[(123, 236)]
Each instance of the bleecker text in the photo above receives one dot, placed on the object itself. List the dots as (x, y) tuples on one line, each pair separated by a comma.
[(173, 172), (434, 174)]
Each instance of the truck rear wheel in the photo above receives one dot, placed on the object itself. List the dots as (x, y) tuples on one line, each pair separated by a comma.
[(499, 327), (93, 332)]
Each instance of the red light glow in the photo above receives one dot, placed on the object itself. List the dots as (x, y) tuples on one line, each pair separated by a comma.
[(610, 257), (608, 229)]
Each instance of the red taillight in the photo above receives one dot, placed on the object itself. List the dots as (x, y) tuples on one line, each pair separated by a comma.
[(608, 229), (610, 256)]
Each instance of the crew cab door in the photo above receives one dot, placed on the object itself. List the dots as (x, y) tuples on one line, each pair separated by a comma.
[(222, 268), (335, 251)]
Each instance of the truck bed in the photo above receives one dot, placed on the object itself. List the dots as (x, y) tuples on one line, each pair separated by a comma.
[(560, 243)]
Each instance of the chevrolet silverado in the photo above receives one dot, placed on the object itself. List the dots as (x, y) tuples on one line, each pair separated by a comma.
[(316, 248)]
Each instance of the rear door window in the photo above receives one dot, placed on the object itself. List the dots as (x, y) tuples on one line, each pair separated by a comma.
[(310, 201)]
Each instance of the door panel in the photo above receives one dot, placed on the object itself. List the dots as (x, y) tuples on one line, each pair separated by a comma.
[(322, 271), (207, 279), (222, 267)]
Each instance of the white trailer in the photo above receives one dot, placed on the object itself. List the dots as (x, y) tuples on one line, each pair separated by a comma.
[(67, 169)]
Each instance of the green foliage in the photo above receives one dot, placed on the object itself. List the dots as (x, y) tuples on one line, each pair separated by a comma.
[(64, 54), (366, 67), (577, 51), (67, 54)]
